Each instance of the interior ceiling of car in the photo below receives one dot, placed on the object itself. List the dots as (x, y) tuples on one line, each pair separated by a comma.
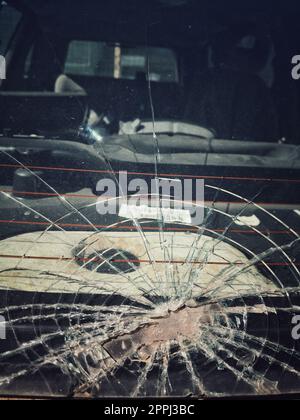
[(43, 6), (157, 22), (161, 22)]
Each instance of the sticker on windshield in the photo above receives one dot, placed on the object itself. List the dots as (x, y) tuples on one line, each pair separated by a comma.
[(145, 212), (248, 221)]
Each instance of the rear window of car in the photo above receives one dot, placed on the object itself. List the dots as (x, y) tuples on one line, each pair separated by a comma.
[(90, 58)]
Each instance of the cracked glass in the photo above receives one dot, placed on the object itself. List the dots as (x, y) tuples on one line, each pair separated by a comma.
[(99, 298)]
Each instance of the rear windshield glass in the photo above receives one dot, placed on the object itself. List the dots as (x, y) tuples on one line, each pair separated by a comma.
[(150, 200), (88, 58)]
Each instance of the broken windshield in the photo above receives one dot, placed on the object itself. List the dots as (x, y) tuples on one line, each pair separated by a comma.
[(149, 201)]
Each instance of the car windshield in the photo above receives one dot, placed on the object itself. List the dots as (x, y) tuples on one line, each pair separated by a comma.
[(149, 198)]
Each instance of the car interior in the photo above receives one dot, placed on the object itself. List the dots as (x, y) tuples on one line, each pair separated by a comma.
[(233, 88)]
